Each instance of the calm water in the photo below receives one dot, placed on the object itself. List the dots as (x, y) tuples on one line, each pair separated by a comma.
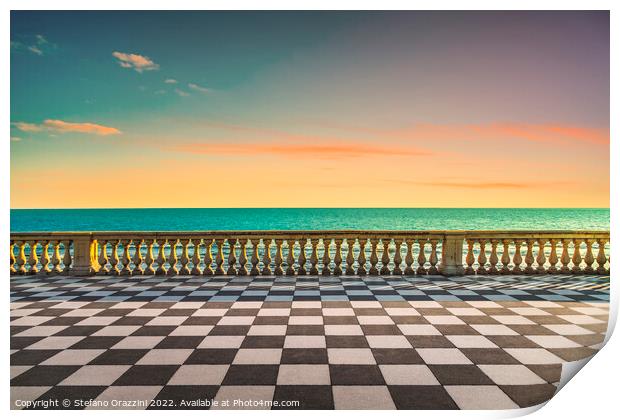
[(307, 219)]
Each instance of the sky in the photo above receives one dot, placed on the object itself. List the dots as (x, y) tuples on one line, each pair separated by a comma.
[(309, 109)]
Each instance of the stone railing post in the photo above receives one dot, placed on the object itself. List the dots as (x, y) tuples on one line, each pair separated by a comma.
[(84, 255), (452, 255)]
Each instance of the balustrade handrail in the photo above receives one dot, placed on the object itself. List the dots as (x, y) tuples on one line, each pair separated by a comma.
[(300, 252)]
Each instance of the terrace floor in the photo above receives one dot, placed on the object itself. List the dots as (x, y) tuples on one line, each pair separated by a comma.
[(427, 342)]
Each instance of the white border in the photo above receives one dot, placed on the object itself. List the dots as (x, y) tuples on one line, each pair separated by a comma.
[(593, 394)]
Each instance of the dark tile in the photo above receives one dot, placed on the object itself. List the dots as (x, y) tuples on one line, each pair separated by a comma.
[(114, 312), (460, 375), (132, 320), (346, 341), (271, 320), (356, 375), (340, 320), (251, 375), (64, 320), (53, 312), (306, 312), (480, 319), (79, 330), (489, 356), (397, 356), (147, 375), (22, 342), (573, 354), (76, 395), (310, 397), (429, 341), (304, 356), (512, 341), (102, 342), (550, 373), (456, 330), (180, 342), (43, 375), (119, 357), (31, 357), (211, 357), (201, 320), (263, 341), (155, 330), (419, 397), (531, 329), (529, 395), (183, 397), (230, 330), (381, 330), (409, 319), (304, 329), (178, 312)]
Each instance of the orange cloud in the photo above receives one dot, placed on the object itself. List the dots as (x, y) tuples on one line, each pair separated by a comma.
[(325, 151), (59, 126), (483, 185), (137, 62)]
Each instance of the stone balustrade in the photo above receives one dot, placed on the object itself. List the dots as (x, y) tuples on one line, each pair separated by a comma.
[(301, 253)]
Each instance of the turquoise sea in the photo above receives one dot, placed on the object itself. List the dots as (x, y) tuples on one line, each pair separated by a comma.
[(308, 219)]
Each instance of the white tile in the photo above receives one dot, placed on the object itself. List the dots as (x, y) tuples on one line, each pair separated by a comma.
[(581, 319), (402, 312), (375, 320), (343, 330), (165, 357), (258, 357), (267, 330), (191, 330), (350, 357), (138, 342), (480, 397), (588, 310), (243, 397), (116, 330), (98, 320), (55, 343), (568, 329), (362, 398), (95, 375), (553, 341), (338, 312), (303, 375), (444, 320), (512, 319), (365, 304), (466, 311), (73, 357), (408, 375), (493, 329), (440, 356), (236, 320), (305, 320), (41, 331), (304, 341), (529, 311), (199, 375), (221, 342), (534, 356), (511, 375), (418, 329), (388, 342), (471, 341)]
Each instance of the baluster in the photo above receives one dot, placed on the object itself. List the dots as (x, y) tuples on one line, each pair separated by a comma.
[(565, 259), (601, 259), (219, 257), (243, 257), (374, 259), (173, 258), (11, 250), (184, 257), (301, 261), (196, 258), (361, 258), (421, 257), (326, 259), (45, 259), (433, 268), (56, 268), (409, 258), (314, 258), (267, 257), (33, 259), (482, 257), (232, 257), (493, 260), (114, 260), (553, 257), (577, 257), (278, 260), (290, 257), (541, 258), (148, 259), (469, 259), (385, 257), (21, 257), (161, 257), (529, 257), (208, 270), (103, 257), (254, 271), (137, 257), (517, 259), (505, 257), (350, 258), (67, 260), (126, 258), (398, 259), (589, 258), (338, 257)]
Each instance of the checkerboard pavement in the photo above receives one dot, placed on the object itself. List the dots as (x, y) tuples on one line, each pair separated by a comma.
[(328, 342)]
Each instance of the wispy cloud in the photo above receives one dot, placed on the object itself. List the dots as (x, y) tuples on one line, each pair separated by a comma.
[(198, 88), (171, 81), (59, 126), (181, 92), (332, 150), (137, 62), (37, 44)]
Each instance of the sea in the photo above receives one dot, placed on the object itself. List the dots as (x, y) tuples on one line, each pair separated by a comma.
[(206, 219)]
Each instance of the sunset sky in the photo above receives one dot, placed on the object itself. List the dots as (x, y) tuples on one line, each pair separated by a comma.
[(309, 109)]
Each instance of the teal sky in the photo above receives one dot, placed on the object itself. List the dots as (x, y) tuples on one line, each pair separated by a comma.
[(344, 88)]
